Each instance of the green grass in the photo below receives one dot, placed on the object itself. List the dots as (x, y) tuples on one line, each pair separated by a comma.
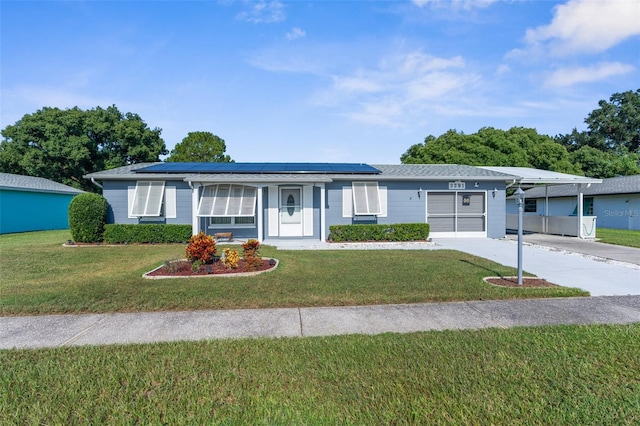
[(39, 276), (621, 237), (561, 375)]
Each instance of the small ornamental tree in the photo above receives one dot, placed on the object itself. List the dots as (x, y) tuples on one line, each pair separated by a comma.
[(201, 248), (87, 217)]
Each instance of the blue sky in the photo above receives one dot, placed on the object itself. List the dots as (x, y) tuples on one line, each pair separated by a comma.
[(321, 81)]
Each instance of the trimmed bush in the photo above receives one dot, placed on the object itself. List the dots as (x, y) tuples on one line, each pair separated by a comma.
[(146, 234), (373, 232), (87, 217)]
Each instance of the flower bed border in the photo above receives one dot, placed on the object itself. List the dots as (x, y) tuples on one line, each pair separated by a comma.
[(229, 275)]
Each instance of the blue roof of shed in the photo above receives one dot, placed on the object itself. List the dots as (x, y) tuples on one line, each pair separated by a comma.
[(260, 168)]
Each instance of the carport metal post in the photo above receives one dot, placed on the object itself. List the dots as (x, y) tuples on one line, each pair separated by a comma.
[(519, 196)]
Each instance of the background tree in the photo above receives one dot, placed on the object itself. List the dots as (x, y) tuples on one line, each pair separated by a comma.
[(200, 146), (616, 124), (516, 147), (64, 145)]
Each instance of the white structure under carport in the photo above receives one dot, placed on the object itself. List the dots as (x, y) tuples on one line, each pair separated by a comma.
[(540, 220)]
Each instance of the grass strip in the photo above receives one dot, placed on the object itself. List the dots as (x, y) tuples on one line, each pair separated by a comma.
[(620, 237), (564, 375), (39, 276)]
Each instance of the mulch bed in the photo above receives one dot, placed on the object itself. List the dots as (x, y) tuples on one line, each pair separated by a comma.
[(527, 282), (182, 268)]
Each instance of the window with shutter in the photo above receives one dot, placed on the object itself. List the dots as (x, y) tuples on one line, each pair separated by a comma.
[(147, 199), (227, 201), (366, 198)]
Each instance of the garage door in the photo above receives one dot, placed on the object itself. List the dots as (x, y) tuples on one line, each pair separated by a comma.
[(457, 213)]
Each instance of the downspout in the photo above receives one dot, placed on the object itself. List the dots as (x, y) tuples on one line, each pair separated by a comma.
[(93, 181)]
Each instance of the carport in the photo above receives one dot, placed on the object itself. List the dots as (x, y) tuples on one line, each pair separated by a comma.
[(580, 226)]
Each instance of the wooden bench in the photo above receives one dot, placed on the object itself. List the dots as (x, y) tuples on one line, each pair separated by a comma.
[(226, 235)]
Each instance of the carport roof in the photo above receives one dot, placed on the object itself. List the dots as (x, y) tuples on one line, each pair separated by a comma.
[(529, 176)]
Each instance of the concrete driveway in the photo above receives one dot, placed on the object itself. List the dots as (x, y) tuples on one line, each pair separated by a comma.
[(601, 269)]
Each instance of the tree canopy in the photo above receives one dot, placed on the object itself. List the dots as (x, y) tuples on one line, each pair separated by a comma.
[(517, 147), (610, 146), (200, 146), (64, 145)]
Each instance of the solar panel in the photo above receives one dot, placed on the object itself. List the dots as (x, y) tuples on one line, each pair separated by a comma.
[(260, 168)]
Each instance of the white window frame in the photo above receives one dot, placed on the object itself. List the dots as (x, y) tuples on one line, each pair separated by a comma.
[(349, 202), (159, 205), (232, 222), (213, 204)]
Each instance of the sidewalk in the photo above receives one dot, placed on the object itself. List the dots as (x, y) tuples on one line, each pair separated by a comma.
[(100, 329)]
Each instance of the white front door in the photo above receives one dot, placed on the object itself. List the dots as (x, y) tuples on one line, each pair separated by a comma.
[(291, 212)]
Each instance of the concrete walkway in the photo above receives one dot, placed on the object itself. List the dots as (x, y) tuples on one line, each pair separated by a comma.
[(99, 329)]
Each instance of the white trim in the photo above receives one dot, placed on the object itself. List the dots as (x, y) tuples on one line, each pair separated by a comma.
[(307, 210), (273, 211), (347, 202), (195, 220), (170, 204), (383, 201), (322, 212), (260, 213)]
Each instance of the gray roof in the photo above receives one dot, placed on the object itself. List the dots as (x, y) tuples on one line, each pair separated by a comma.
[(440, 172), (388, 172), (531, 176), (609, 186), (34, 184)]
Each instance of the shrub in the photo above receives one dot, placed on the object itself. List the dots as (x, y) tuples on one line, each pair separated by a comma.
[(250, 251), (146, 234), (373, 232), (201, 248), (231, 258), (87, 217), (250, 248)]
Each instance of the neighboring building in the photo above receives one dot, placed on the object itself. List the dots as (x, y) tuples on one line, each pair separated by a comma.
[(33, 204), (301, 200), (615, 202)]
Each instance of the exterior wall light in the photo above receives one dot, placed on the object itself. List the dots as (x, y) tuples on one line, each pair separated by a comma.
[(494, 192), (419, 192)]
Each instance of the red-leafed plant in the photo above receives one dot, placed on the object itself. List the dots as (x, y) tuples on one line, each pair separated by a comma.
[(201, 248), (250, 253)]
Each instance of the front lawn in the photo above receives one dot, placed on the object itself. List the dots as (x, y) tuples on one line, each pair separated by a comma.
[(39, 276), (560, 375), (621, 237)]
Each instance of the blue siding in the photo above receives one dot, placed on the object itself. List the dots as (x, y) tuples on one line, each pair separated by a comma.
[(404, 206), (23, 211), (116, 193)]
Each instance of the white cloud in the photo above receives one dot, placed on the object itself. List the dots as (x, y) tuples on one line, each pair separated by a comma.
[(587, 26), (263, 11), (400, 89), (503, 69), (455, 4), (295, 33), (572, 75)]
